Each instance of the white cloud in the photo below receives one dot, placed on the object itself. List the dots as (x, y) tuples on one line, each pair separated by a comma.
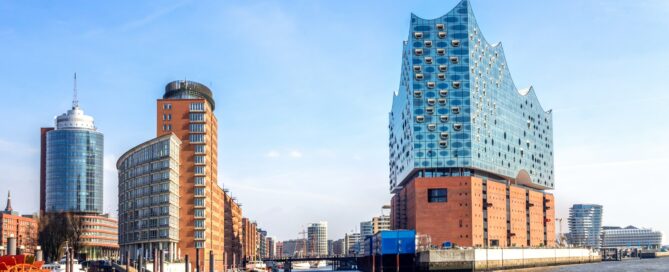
[(273, 154), (295, 154)]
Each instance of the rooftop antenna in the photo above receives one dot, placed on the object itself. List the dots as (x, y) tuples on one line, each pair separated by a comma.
[(75, 102)]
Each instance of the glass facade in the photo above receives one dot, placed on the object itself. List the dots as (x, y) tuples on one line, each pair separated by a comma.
[(74, 162), (458, 113), (585, 225), (631, 236), (148, 188)]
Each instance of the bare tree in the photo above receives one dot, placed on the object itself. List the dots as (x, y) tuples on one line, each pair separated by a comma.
[(53, 232)]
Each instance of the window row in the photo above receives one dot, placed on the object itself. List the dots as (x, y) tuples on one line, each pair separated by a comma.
[(440, 34), (442, 68)]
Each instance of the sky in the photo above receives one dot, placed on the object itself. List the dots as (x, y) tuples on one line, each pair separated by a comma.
[(303, 90)]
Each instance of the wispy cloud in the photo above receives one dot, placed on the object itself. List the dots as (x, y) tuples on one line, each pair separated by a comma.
[(151, 17), (295, 154), (273, 154)]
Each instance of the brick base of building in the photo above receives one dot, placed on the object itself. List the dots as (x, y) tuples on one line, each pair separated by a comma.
[(476, 212)]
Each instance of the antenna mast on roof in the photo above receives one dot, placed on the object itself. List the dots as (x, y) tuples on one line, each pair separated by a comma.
[(75, 102)]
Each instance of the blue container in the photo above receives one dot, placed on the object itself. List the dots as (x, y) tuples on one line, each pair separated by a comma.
[(393, 242)]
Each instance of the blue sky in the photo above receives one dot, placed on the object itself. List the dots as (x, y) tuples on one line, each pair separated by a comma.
[(303, 89)]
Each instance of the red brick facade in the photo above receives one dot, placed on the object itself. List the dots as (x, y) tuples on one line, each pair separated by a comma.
[(476, 211)]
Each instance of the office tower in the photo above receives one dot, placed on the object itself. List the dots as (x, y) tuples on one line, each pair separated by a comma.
[(470, 154), (585, 225), (148, 198), (317, 239), (366, 229), (352, 243), (631, 237), (71, 181), (187, 110), (74, 161), (380, 223), (262, 243)]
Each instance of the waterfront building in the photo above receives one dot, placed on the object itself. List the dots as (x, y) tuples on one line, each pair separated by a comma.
[(470, 154), (279, 250), (73, 164), (187, 110), (270, 245), (585, 225), (249, 239), (262, 243), (233, 230), (148, 198), (366, 229), (330, 247), (294, 248), (338, 247), (99, 237), (380, 223), (317, 239), (352, 243), (631, 237), (24, 228)]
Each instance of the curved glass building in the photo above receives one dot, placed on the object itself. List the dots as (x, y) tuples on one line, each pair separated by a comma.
[(74, 164), (457, 111), (148, 196), (585, 225)]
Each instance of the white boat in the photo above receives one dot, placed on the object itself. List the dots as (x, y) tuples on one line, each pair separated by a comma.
[(317, 264), (256, 266), (301, 265), (60, 266)]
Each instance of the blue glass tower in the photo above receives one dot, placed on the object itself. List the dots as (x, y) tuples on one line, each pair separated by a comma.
[(457, 111), (74, 164)]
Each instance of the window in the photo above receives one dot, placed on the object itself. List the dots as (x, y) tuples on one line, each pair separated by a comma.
[(167, 106), (419, 76), (199, 191), (429, 110), (196, 117), (455, 110), (428, 43), (418, 51), (199, 244), (454, 60), (437, 195), (441, 51), (418, 35), (196, 127), (430, 101), (416, 68), (197, 106), (455, 43), (443, 144), (167, 117), (199, 159), (431, 127), (441, 76), (443, 118), (199, 149), (417, 94), (199, 170), (440, 26), (430, 84), (456, 84), (428, 60), (420, 118), (199, 180), (442, 101), (199, 234), (444, 135), (443, 68), (199, 223), (198, 202), (442, 34), (196, 138), (443, 92), (167, 127), (457, 127), (199, 212)]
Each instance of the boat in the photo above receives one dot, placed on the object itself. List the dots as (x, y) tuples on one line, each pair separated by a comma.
[(256, 266), (317, 264), (300, 265)]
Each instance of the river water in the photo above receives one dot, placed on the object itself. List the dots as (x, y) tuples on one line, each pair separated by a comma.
[(659, 264)]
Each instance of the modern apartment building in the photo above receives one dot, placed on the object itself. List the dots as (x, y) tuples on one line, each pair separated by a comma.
[(187, 111), (317, 239), (148, 198), (99, 237), (380, 223), (352, 243), (470, 154), (585, 225), (631, 237), (366, 229)]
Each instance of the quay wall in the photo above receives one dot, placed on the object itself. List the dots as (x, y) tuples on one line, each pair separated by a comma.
[(502, 258)]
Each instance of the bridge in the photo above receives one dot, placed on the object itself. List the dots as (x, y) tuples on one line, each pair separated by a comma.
[(338, 262)]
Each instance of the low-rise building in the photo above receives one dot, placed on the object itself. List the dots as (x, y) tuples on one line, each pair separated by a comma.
[(24, 228), (99, 237), (631, 237)]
